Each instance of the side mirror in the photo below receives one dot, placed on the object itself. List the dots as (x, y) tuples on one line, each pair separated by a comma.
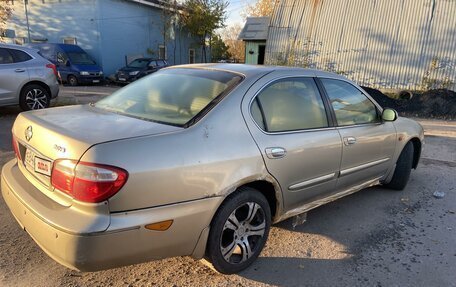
[(67, 63), (389, 115)]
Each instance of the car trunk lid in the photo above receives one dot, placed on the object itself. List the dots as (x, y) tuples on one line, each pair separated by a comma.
[(67, 132)]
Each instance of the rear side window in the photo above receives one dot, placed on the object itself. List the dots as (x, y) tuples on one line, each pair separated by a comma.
[(20, 56), (153, 64), (5, 56), (351, 106), (290, 105)]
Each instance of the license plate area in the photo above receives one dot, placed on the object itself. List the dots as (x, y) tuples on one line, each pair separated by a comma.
[(42, 166), (38, 165)]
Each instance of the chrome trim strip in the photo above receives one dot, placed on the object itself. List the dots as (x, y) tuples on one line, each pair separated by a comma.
[(363, 166), (313, 181)]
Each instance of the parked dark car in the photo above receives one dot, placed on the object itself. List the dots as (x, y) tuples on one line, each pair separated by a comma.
[(139, 68), (73, 63)]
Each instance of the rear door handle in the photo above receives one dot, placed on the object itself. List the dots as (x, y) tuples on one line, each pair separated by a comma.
[(275, 152), (19, 70), (349, 140)]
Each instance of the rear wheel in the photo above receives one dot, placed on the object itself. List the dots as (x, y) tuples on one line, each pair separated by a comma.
[(239, 231), (72, 80), (34, 97), (403, 168)]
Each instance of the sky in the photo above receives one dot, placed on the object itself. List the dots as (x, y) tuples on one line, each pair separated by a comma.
[(234, 11)]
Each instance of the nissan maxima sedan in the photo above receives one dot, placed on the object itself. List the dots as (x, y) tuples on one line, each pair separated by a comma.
[(198, 161)]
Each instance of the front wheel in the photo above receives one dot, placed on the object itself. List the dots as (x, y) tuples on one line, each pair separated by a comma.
[(403, 168), (72, 80), (239, 231)]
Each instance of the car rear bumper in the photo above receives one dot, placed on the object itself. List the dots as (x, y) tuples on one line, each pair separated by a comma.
[(55, 88), (126, 241)]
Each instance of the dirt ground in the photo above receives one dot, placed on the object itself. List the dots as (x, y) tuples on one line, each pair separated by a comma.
[(375, 237)]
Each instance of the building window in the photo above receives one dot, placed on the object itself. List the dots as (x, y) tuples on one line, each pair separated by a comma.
[(191, 56), (19, 40), (39, 40), (70, 40), (162, 52)]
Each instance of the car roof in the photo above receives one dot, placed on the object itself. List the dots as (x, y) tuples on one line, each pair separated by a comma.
[(18, 47), (148, 59), (257, 70)]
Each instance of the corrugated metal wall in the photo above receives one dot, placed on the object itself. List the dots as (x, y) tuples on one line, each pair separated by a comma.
[(396, 44)]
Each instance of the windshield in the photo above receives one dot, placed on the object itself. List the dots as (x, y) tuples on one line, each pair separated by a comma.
[(157, 97), (139, 63), (80, 58)]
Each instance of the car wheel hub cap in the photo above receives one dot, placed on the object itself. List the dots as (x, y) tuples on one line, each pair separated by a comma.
[(242, 233), (36, 99)]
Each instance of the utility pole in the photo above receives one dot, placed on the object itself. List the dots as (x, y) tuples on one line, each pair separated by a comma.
[(27, 20)]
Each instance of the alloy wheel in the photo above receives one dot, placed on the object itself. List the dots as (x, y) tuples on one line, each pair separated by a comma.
[(242, 233), (36, 99)]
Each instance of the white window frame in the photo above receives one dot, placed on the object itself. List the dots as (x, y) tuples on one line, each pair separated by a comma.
[(70, 40), (160, 47), (189, 56), (20, 41)]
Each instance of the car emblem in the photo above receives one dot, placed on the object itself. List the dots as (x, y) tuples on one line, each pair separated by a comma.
[(28, 133)]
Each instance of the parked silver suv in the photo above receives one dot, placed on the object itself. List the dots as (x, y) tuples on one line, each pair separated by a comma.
[(26, 78)]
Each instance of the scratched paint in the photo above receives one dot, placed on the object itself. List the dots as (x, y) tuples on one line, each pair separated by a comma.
[(391, 44)]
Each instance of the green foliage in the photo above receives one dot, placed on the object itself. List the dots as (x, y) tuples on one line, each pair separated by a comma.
[(219, 49), (202, 17)]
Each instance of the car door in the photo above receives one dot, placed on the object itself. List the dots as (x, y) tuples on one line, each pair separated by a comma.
[(368, 142), (12, 75), (301, 149), (152, 67), (63, 64)]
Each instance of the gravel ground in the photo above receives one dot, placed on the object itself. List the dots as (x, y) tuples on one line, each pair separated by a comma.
[(375, 237)]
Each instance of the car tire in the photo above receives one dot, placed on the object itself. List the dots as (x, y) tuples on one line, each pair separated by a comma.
[(34, 97), (238, 231), (403, 168), (72, 80)]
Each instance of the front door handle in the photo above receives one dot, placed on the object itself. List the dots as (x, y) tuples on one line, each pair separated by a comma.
[(275, 152), (349, 140), (19, 70)]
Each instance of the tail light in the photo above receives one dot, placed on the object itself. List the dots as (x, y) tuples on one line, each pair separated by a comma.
[(16, 148), (87, 182), (54, 69)]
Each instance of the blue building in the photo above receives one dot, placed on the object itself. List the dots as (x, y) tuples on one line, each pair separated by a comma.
[(113, 32)]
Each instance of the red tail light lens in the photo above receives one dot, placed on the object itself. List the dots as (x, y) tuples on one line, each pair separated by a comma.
[(87, 182), (54, 69), (16, 148)]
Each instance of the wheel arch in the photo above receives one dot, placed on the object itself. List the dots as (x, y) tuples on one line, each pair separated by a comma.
[(416, 151), (46, 87), (269, 189)]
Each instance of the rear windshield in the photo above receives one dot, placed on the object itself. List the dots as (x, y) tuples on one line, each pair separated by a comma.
[(79, 58), (174, 96)]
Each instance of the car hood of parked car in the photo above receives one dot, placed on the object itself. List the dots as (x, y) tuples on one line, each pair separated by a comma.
[(131, 69), (88, 68), (67, 132)]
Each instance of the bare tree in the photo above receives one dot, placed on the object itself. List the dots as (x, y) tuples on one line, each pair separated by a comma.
[(236, 47)]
